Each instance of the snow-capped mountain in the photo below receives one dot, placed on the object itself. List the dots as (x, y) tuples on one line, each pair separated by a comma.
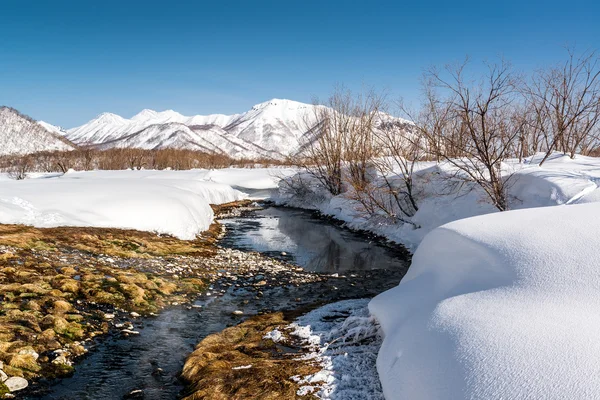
[(20, 134), (270, 129)]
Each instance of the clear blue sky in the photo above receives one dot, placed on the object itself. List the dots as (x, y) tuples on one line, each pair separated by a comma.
[(67, 61)]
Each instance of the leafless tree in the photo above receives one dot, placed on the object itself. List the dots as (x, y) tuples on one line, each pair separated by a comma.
[(565, 100), (340, 138), (402, 146), (471, 124), (19, 167)]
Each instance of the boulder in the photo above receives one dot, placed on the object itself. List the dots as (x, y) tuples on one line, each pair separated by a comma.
[(16, 383)]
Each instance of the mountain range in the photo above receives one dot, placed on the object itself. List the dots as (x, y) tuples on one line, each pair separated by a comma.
[(271, 129)]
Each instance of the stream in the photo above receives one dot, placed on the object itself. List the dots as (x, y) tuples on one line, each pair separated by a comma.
[(356, 266)]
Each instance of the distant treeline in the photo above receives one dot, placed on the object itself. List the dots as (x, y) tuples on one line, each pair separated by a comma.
[(86, 159)]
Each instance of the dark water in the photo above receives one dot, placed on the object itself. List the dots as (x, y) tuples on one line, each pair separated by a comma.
[(152, 360), (308, 242)]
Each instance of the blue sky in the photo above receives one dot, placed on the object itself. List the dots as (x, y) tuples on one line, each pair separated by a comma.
[(67, 61)]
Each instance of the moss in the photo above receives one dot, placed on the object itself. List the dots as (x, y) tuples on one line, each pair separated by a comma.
[(61, 307), (3, 389), (58, 370)]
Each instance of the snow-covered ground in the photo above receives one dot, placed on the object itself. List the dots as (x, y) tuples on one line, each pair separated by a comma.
[(559, 181), (495, 305), (167, 202)]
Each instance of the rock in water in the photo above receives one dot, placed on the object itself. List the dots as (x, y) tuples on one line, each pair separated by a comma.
[(15, 383)]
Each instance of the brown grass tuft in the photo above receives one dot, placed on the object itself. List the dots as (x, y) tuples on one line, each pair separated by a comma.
[(209, 369)]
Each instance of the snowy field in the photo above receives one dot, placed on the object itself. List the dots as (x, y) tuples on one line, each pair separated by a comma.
[(495, 305), (166, 202)]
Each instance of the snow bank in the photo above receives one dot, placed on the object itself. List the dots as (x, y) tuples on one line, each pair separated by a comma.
[(167, 202), (560, 180), (499, 306)]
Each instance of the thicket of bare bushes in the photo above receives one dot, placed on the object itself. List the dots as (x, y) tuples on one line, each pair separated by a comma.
[(471, 120), (87, 159), (352, 144)]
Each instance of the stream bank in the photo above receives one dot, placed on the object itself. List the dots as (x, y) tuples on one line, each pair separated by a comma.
[(248, 283)]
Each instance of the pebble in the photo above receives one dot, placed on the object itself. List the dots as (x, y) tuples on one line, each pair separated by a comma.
[(237, 312), (3, 376), (134, 314)]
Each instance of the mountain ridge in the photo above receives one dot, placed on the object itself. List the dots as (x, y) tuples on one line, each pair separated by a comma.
[(20, 134), (270, 129)]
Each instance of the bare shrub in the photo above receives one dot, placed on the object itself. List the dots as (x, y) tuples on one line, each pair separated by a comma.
[(19, 166), (402, 146)]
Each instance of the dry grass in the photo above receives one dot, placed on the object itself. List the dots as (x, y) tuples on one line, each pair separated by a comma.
[(209, 369), (114, 242)]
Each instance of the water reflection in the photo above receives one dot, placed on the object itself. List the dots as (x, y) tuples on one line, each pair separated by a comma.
[(308, 241)]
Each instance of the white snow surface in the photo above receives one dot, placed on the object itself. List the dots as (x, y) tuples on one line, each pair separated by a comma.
[(166, 202), (502, 306), (495, 305)]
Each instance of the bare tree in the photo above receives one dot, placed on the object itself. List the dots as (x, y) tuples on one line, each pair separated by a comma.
[(19, 167), (470, 124), (565, 100), (340, 138), (402, 146)]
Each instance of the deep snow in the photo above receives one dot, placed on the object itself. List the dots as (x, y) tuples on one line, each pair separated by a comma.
[(499, 306), (166, 202)]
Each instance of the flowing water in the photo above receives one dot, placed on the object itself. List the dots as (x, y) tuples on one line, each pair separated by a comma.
[(151, 361)]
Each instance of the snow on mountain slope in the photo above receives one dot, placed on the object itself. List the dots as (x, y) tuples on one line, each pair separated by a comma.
[(212, 135), (57, 130), (276, 125), (273, 128), (20, 134), (208, 138)]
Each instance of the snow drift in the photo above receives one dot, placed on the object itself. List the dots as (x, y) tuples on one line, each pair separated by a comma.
[(498, 306), (165, 202)]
